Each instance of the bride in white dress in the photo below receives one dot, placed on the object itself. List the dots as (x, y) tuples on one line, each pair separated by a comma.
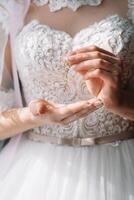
[(71, 149)]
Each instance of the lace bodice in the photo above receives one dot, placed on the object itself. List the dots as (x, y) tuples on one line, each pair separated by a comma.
[(40, 52), (39, 55), (55, 5)]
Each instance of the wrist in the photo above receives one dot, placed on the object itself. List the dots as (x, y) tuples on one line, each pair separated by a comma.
[(15, 121), (27, 117)]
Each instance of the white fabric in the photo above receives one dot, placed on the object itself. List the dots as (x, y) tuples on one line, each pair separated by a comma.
[(6, 102), (5, 76), (5, 7), (45, 171), (131, 10), (4, 18), (4, 29), (40, 53), (55, 5), (6, 99)]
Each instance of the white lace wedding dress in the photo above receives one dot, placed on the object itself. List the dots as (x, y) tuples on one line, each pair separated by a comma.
[(48, 171)]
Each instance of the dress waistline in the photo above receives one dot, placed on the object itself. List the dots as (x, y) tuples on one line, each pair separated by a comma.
[(77, 141)]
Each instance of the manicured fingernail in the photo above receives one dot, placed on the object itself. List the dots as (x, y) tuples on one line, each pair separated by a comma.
[(70, 58), (71, 53)]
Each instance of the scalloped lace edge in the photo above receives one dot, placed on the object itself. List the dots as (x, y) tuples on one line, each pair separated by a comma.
[(55, 5)]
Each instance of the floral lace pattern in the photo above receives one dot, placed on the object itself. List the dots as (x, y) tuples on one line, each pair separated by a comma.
[(55, 5), (39, 54), (4, 19)]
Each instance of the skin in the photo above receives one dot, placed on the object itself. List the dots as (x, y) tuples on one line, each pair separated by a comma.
[(40, 112), (100, 69), (73, 22)]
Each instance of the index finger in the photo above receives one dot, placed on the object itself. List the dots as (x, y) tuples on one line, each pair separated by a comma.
[(90, 49), (74, 108), (95, 104)]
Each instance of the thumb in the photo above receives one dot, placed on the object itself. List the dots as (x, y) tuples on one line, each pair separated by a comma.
[(38, 107)]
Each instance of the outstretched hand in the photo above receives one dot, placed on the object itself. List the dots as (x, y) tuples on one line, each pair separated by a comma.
[(52, 113)]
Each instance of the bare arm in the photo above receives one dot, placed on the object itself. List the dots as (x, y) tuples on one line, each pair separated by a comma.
[(14, 121), (102, 72), (41, 112)]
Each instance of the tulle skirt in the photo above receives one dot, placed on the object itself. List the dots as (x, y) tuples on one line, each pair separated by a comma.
[(52, 172)]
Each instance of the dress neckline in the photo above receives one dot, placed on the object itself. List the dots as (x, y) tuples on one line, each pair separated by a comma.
[(35, 21), (74, 5)]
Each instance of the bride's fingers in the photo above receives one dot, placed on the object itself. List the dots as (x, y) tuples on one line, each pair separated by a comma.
[(80, 57), (41, 107), (71, 109), (107, 77), (90, 49), (76, 116), (95, 64), (82, 113)]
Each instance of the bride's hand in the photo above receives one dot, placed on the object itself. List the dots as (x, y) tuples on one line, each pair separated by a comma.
[(86, 59), (51, 113), (101, 70)]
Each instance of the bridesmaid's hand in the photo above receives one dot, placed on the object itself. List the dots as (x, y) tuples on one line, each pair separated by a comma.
[(101, 70), (51, 113)]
